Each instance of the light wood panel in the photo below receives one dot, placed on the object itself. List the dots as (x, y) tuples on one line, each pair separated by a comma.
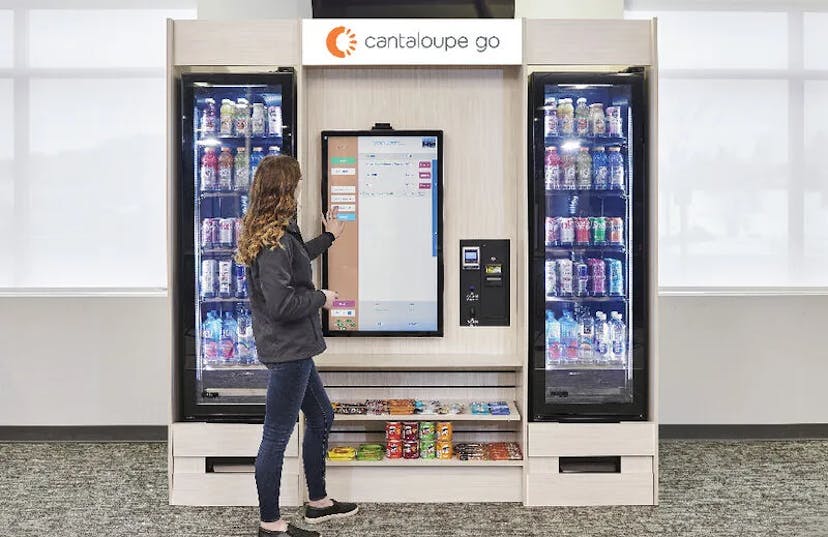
[(654, 358), (591, 440), (479, 111), (222, 440), (229, 489), (408, 378), (589, 489), (253, 42), (475, 394), (587, 42), (377, 356)]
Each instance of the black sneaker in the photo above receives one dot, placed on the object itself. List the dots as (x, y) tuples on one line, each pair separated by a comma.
[(292, 531), (315, 515)]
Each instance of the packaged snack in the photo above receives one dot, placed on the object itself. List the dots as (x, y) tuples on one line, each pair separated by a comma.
[(393, 430), (444, 431), (394, 449), (410, 431), (427, 430), (444, 450)]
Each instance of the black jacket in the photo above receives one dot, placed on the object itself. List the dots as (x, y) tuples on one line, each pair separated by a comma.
[(284, 301)]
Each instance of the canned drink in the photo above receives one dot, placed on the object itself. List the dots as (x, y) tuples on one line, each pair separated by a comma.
[(566, 230), (615, 272), (427, 430), (410, 431), (244, 202), (393, 430), (209, 233), (552, 231), (581, 271), (394, 449), (597, 277), (613, 119), (582, 228), (411, 449), (428, 449), (565, 283), (551, 278), (444, 450), (225, 278), (208, 278), (615, 230), (599, 230), (445, 430), (240, 280), (227, 230)]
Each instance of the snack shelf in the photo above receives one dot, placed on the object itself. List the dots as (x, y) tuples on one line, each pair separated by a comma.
[(424, 462), (513, 415)]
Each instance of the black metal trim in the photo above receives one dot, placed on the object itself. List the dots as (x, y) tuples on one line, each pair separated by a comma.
[(440, 277), (789, 431)]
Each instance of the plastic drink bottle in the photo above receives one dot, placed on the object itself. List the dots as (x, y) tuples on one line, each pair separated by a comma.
[(229, 335), (565, 277), (225, 169), (226, 113), (583, 164), (551, 270), (208, 118), (569, 336), (209, 170), (581, 278), (601, 348), (566, 117), (615, 277), (241, 117), (210, 339), (618, 337), (274, 120), (245, 345), (616, 168), (597, 120), (257, 121), (581, 117), (241, 168), (569, 178), (225, 278), (553, 340), (550, 117), (209, 269), (255, 159), (552, 168), (240, 280), (274, 150), (600, 169), (586, 335)]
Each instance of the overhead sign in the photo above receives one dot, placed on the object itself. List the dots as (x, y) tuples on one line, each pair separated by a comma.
[(412, 42)]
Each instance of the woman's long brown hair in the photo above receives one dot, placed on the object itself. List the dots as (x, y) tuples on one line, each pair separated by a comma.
[(272, 206)]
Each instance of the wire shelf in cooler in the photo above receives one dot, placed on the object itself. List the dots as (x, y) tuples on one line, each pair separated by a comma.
[(552, 299), (223, 300), (225, 194), (215, 141), (577, 141), (611, 248), (609, 193), (576, 366), (219, 251)]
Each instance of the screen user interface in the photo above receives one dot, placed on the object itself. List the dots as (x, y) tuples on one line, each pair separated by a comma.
[(385, 264)]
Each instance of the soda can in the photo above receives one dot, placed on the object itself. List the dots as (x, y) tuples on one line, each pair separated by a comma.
[(411, 449), (394, 449), (599, 230), (566, 230), (444, 450), (565, 283), (209, 233), (240, 280), (581, 278), (552, 231), (428, 449), (597, 277), (582, 231), (615, 271), (613, 119), (225, 278), (227, 231), (427, 430), (208, 278), (445, 430), (615, 230), (551, 278), (410, 431), (244, 202), (393, 430)]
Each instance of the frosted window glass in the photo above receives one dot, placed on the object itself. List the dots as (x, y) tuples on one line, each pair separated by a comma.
[(815, 217), (119, 38), (7, 179), (720, 39), (6, 38), (723, 179), (815, 40), (96, 184)]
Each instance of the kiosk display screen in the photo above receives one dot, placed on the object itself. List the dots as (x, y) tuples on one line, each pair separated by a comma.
[(387, 265)]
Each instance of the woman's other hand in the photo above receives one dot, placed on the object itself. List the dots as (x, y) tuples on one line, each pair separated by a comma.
[(330, 296), (332, 224)]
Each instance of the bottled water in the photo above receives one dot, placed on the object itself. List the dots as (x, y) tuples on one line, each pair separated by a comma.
[(586, 335), (553, 340), (210, 339), (229, 338), (569, 336), (618, 337), (601, 348), (245, 344)]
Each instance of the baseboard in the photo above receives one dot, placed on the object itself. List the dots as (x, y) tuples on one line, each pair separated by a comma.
[(793, 431), (85, 433)]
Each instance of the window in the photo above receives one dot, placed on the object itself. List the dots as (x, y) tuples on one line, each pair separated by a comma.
[(743, 118), (83, 162)]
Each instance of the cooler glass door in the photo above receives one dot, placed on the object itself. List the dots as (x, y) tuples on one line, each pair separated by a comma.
[(228, 124), (588, 269)]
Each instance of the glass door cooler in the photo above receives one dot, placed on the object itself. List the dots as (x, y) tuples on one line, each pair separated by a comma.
[(228, 123), (588, 247)]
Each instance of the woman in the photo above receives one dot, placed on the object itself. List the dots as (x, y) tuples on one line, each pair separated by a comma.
[(288, 334)]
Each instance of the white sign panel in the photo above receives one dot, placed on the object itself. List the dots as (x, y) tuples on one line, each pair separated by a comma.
[(412, 41)]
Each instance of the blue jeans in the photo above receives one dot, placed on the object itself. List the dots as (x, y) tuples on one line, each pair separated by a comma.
[(292, 385)]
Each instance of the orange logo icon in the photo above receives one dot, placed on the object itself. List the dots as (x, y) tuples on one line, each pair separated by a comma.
[(333, 37)]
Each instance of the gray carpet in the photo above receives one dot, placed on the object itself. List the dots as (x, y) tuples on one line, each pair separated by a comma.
[(708, 489)]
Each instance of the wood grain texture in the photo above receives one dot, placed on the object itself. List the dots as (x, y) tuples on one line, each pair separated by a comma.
[(253, 42), (229, 489), (587, 42), (589, 489), (221, 440), (591, 440), (380, 355)]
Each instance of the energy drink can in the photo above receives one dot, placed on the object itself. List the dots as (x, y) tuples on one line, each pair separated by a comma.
[(597, 277), (552, 231), (566, 230), (582, 228), (615, 230), (615, 271), (581, 278)]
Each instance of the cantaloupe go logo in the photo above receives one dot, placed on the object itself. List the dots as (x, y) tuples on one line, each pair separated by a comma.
[(333, 37)]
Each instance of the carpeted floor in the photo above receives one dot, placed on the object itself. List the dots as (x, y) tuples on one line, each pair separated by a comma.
[(707, 489)]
